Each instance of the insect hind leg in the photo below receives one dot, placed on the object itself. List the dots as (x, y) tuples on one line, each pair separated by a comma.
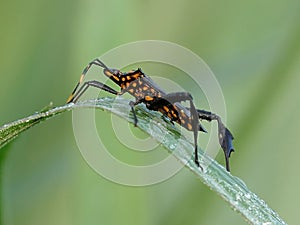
[(225, 136)]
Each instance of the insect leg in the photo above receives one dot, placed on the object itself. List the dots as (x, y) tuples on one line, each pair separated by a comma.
[(132, 105), (96, 62), (185, 96), (92, 83), (225, 136)]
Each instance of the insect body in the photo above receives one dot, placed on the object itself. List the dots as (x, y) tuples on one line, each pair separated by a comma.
[(146, 91)]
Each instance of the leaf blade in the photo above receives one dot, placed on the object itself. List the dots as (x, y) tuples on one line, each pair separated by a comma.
[(230, 188)]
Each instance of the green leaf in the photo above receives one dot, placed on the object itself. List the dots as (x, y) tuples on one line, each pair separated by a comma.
[(230, 188)]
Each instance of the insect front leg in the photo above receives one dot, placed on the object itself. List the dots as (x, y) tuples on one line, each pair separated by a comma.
[(92, 83), (96, 62)]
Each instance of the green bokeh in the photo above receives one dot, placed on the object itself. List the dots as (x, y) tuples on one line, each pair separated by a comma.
[(252, 47)]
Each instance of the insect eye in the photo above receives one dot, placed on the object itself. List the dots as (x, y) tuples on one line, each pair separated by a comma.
[(116, 72)]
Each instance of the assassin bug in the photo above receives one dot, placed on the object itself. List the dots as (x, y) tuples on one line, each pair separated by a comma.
[(143, 88)]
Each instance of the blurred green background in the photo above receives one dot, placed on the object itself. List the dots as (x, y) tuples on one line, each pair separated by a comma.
[(252, 47)]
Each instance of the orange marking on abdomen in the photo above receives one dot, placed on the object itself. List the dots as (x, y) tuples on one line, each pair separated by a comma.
[(166, 108), (148, 98)]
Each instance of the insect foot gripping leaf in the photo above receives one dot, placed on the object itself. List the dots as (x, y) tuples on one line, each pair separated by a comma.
[(225, 140)]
